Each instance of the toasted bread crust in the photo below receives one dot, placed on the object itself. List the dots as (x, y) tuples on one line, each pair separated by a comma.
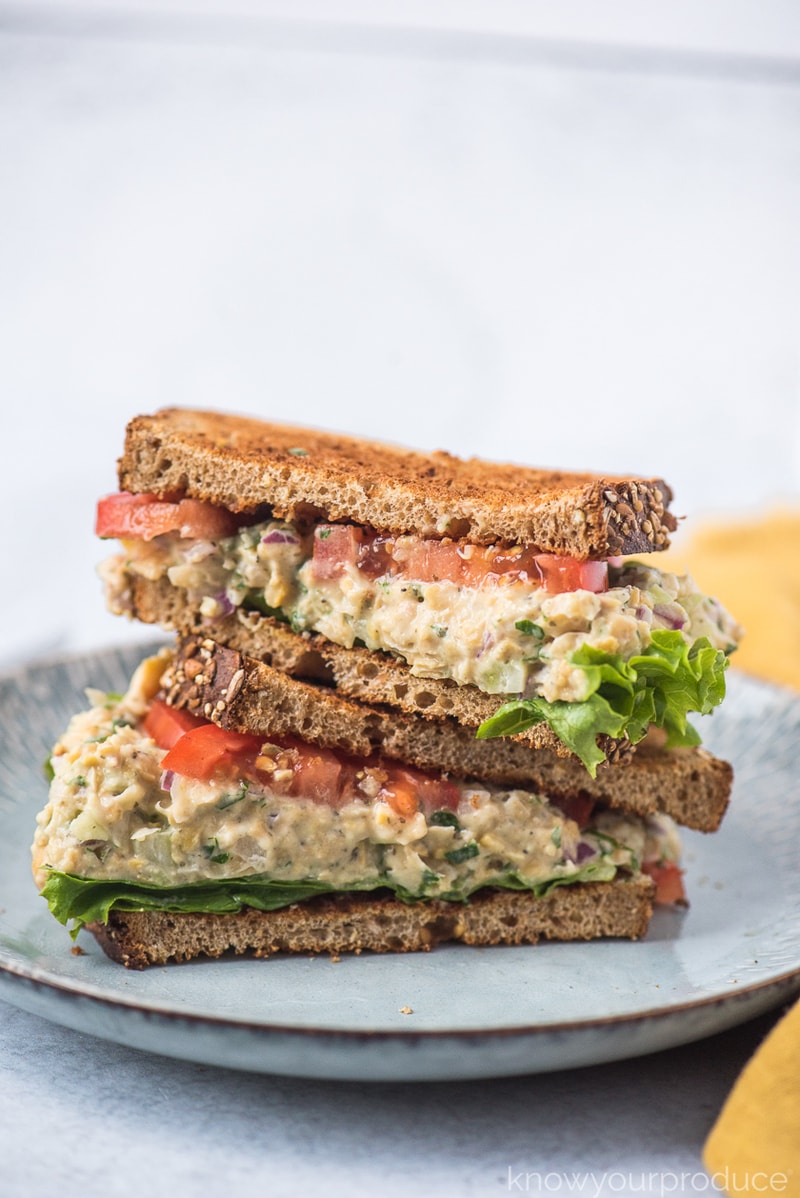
[(379, 923), (241, 463), (238, 692)]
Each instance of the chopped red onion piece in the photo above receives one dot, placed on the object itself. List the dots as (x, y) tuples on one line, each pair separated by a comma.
[(670, 614), (167, 778), (486, 643), (280, 537), (584, 851), (225, 603)]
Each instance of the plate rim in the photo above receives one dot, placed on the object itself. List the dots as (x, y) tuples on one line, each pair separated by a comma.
[(89, 991)]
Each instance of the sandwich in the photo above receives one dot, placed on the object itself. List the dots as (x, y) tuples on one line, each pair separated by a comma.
[(297, 820), (412, 699), (499, 596)]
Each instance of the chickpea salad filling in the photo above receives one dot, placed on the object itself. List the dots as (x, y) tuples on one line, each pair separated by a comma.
[(589, 647), (155, 808)]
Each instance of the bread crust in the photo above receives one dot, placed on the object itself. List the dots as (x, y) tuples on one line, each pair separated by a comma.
[(380, 923), (240, 463), (240, 693)]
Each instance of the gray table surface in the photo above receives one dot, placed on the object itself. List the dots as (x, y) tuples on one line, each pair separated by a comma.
[(80, 1116)]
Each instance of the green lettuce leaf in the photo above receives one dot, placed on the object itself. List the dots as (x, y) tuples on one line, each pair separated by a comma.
[(659, 686), (597, 869), (86, 900), (254, 601)]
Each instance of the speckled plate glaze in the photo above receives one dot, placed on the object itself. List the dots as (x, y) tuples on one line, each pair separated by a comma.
[(474, 1012)]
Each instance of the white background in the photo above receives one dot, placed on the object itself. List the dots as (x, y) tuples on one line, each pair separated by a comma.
[(509, 230)]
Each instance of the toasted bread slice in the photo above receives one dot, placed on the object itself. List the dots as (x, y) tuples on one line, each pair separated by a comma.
[(377, 923), (242, 463), (246, 695)]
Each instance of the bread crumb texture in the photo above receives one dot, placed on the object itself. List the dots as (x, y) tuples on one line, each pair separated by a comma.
[(240, 463)]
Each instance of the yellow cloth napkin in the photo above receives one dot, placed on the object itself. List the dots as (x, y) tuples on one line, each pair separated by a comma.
[(754, 1147), (753, 567)]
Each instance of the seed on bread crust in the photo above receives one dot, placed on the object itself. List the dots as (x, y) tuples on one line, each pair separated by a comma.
[(638, 520)]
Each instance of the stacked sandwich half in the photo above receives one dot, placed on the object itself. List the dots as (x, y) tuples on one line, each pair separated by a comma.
[(412, 698)]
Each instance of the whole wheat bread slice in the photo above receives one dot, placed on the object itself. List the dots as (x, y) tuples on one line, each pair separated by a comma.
[(242, 463), (245, 695), (380, 923)]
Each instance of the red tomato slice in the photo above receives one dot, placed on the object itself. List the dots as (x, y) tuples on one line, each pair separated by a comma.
[(319, 774), (142, 517), (117, 514), (166, 725), (375, 556), (337, 546), (559, 574), (429, 561), (668, 878), (201, 751)]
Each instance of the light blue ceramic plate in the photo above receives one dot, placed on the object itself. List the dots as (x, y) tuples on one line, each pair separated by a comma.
[(475, 1012)]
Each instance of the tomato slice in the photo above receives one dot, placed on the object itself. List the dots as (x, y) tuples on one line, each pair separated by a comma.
[(143, 517), (335, 547), (668, 877), (203, 750), (198, 749), (419, 559), (559, 574), (428, 561), (117, 515), (166, 725), (319, 774)]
